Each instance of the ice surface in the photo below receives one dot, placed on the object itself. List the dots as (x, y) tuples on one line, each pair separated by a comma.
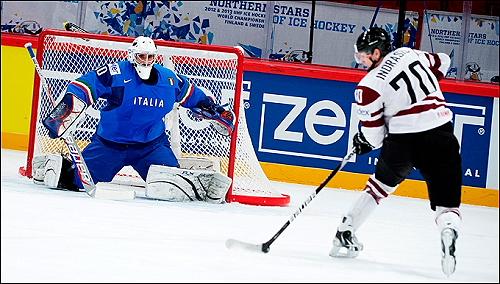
[(58, 236)]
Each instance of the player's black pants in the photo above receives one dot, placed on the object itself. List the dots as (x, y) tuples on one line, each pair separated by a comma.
[(435, 153)]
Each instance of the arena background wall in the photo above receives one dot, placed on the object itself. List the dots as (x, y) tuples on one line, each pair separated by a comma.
[(311, 125)]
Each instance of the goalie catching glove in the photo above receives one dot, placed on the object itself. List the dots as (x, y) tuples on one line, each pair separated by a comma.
[(220, 118)]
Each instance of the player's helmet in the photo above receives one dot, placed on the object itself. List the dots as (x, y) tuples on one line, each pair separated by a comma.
[(371, 39), (142, 54)]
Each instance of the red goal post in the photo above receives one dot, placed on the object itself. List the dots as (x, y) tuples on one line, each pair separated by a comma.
[(218, 70)]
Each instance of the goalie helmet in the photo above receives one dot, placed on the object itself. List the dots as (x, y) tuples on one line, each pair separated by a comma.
[(142, 54), (371, 39)]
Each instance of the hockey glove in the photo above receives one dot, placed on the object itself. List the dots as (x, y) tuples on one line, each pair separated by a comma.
[(360, 145), (64, 115), (222, 120)]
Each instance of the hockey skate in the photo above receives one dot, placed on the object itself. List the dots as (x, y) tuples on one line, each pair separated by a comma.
[(448, 261), (47, 169), (345, 244)]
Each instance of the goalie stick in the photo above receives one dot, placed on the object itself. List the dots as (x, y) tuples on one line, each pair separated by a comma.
[(265, 247), (74, 149)]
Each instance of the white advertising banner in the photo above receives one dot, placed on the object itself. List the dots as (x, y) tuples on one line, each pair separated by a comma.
[(264, 29), (267, 29), (337, 27), (442, 33)]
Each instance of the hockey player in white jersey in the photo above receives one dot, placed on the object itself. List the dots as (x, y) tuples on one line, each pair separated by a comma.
[(402, 110)]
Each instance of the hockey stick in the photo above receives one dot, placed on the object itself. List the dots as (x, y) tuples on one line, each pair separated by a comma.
[(372, 22), (265, 247), (74, 150), (69, 26), (428, 27)]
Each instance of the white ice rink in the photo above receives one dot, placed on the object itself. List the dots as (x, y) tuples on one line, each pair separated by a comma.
[(59, 236)]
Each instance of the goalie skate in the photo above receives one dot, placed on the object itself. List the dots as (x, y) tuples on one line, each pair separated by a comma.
[(345, 244), (448, 261)]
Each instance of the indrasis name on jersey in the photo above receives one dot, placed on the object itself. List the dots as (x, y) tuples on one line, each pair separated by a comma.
[(390, 62), (151, 102)]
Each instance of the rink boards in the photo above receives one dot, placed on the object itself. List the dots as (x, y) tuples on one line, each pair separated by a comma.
[(301, 119)]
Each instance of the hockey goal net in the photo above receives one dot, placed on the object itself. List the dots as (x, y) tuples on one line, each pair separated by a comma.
[(63, 56)]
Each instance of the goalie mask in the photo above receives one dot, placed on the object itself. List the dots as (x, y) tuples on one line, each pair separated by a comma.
[(142, 54)]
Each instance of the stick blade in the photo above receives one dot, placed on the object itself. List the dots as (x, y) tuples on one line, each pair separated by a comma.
[(235, 244)]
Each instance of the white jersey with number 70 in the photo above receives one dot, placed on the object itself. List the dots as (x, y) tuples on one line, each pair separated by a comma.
[(402, 95)]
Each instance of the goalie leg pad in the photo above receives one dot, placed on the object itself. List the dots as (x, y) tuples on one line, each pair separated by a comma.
[(54, 171), (47, 169), (197, 163), (173, 184), (218, 187)]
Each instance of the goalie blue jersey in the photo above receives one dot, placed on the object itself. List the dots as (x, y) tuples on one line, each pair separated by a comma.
[(135, 107)]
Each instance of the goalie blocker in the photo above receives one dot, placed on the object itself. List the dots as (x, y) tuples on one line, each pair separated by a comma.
[(64, 116)]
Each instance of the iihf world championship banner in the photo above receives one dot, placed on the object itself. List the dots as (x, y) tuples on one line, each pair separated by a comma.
[(265, 29), (442, 33)]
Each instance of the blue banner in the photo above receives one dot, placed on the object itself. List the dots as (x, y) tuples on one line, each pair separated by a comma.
[(310, 122)]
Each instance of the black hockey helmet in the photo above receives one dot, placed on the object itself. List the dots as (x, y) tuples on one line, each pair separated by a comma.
[(373, 38)]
